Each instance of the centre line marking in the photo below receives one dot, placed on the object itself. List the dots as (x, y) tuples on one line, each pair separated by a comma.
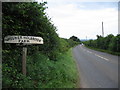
[(97, 55), (102, 57), (89, 52)]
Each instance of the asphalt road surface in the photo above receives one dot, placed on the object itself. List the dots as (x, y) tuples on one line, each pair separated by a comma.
[(97, 69)]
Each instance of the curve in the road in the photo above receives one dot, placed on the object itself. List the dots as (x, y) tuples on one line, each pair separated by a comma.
[(97, 69)]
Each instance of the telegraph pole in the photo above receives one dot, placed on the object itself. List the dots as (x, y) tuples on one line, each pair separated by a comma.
[(102, 30)]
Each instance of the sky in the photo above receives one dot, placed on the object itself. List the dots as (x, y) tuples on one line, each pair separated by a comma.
[(83, 19)]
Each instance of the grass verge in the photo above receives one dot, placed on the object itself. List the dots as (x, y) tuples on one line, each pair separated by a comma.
[(46, 73), (106, 51)]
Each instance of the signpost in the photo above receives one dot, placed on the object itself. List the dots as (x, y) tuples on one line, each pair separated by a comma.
[(23, 40), (24, 60)]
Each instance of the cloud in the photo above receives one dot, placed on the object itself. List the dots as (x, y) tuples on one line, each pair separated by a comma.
[(61, 1), (79, 19)]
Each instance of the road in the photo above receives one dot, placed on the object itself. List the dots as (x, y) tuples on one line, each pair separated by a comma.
[(97, 69)]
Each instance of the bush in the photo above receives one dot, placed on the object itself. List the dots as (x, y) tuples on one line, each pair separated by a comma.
[(109, 43), (30, 19)]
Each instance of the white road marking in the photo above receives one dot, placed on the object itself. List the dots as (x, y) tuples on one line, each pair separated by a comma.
[(102, 57), (89, 51), (96, 54)]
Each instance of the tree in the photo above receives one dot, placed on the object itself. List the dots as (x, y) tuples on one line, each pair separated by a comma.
[(74, 38), (115, 44), (30, 19), (110, 43), (107, 41)]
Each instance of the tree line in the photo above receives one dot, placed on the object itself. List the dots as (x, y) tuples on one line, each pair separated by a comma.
[(110, 43)]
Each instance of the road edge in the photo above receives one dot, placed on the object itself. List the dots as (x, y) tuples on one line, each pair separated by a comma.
[(78, 81)]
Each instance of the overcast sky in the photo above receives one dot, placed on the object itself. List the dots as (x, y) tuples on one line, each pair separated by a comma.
[(83, 19)]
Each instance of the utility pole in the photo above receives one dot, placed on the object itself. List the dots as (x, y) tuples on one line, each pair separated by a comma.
[(102, 30)]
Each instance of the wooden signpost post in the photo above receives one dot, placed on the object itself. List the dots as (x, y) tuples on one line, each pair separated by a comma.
[(23, 40)]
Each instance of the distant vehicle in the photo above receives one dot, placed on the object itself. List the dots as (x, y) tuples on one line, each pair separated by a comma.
[(81, 44)]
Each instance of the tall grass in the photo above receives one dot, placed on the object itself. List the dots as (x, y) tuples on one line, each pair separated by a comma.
[(46, 73)]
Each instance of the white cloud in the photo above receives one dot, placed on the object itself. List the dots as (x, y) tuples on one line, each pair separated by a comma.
[(61, 1), (71, 20)]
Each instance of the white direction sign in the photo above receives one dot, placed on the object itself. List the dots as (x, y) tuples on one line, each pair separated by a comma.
[(23, 39)]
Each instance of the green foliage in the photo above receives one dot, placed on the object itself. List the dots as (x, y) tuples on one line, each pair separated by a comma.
[(115, 44), (74, 38), (13, 78), (43, 73), (110, 43), (47, 65), (107, 41), (72, 43), (30, 19)]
